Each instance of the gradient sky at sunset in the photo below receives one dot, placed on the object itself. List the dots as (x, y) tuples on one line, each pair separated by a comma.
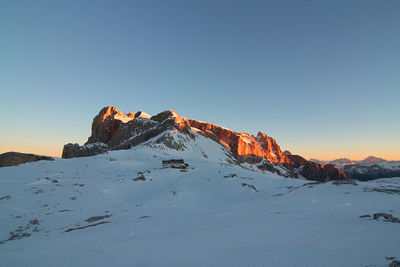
[(321, 77)]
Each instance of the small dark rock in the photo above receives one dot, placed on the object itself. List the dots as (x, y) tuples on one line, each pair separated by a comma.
[(384, 215), (388, 217), (34, 222), (345, 181), (139, 178), (97, 218), (83, 227), (250, 186), (64, 210)]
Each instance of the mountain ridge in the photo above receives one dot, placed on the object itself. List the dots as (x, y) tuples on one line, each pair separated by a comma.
[(369, 168), (115, 130)]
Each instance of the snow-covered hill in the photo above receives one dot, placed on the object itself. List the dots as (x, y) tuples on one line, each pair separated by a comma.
[(122, 209)]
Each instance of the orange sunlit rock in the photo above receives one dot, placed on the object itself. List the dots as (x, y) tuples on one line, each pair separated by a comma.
[(243, 144)]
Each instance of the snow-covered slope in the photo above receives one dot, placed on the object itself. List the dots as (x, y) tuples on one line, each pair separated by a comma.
[(123, 209)]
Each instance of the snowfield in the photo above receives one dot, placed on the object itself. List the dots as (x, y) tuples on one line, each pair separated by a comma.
[(123, 209)]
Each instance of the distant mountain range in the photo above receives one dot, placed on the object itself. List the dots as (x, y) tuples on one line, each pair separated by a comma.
[(368, 169)]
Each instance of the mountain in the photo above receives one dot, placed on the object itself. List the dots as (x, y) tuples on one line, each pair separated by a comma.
[(121, 208), (369, 168), (114, 130), (370, 159), (337, 162), (366, 170)]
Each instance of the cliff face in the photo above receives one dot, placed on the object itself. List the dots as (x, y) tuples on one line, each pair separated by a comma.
[(112, 129), (106, 123), (315, 171), (245, 147)]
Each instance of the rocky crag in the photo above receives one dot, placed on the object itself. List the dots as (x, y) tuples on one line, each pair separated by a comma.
[(16, 158), (113, 130)]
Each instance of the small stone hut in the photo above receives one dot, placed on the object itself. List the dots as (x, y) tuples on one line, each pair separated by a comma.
[(174, 163)]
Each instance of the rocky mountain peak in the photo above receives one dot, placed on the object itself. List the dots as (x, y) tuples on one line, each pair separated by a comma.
[(113, 129), (372, 159), (106, 123)]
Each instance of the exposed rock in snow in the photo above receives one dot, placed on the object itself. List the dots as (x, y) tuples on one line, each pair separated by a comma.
[(315, 171), (15, 158), (74, 150)]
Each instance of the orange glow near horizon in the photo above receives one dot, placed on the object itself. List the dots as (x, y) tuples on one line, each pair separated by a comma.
[(35, 149), (355, 155), (50, 145), (56, 151)]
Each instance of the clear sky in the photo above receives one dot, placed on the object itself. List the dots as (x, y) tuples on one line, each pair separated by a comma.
[(321, 77)]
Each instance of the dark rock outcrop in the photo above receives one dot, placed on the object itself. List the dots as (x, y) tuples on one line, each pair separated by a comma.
[(315, 171), (15, 158), (75, 151)]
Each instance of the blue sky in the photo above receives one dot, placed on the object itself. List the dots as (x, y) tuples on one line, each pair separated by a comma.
[(321, 77)]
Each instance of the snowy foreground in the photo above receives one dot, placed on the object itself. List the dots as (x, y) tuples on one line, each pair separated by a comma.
[(122, 209)]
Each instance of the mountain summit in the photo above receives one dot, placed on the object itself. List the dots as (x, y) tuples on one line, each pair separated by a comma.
[(115, 130)]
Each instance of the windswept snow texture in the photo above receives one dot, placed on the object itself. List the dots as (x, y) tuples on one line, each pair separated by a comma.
[(123, 209)]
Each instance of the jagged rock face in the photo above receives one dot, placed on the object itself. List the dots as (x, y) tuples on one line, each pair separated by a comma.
[(247, 148), (141, 130), (74, 150), (271, 148), (315, 171), (106, 123), (15, 158), (112, 129)]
